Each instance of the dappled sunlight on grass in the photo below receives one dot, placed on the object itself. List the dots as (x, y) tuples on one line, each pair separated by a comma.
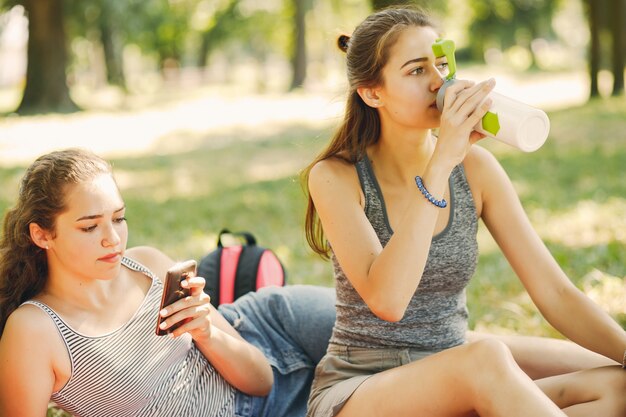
[(173, 127), (187, 170), (518, 315), (586, 224), (607, 291)]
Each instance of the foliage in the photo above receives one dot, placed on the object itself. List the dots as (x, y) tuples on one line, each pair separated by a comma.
[(503, 23)]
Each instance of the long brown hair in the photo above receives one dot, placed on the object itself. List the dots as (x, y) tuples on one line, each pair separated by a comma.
[(367, 52), (41, 198)]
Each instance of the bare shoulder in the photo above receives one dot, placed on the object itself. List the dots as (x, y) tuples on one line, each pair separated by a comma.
[(331, 168), (333, 176), (152, 258), (145, 254), (480, 161), (481, 170), (30, 321), (34, 358), (29, 332)]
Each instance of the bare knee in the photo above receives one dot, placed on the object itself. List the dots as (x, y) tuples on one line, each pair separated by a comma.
[(489, 370), (491, 355)]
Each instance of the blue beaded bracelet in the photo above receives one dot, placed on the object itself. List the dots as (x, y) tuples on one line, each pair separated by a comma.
[(420, 185)]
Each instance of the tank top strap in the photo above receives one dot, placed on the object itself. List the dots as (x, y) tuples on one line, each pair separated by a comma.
[(133, 265), (65, 329)]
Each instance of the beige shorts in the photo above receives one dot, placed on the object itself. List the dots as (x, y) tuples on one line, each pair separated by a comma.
[(344, 369)]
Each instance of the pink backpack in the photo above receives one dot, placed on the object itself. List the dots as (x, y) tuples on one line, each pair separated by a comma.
[(232, 271)]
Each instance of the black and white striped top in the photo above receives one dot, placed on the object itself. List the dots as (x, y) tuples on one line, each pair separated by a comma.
[(133, 372)]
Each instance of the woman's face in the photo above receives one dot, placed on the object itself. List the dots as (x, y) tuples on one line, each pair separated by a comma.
[(91, 234), (412, 77)]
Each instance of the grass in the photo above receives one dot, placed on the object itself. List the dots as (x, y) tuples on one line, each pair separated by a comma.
[(573, 189)]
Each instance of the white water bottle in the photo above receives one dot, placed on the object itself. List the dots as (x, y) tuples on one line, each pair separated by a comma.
[(510, 121)]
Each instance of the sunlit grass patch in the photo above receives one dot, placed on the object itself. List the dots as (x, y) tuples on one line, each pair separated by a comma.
[(181, 195)]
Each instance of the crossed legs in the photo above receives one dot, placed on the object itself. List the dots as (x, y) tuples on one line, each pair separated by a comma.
[(541, 357), (477, 378), (482, 378)]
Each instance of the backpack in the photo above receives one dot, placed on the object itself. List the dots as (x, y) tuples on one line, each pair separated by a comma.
[(232, 271)]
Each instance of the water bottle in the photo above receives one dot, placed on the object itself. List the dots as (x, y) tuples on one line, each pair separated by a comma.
[(508, 120)]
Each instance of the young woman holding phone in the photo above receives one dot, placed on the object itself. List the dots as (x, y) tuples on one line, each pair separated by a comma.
[(78, 313)]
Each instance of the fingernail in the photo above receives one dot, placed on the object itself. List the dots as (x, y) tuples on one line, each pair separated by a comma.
[(184, 283), (170, 335), (162, 325), (163, 312)]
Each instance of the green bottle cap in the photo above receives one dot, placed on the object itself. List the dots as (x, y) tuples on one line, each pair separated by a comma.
[(445, 47)]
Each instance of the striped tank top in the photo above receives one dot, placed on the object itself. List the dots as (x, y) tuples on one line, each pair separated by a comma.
[(436, 317), (133, 372)]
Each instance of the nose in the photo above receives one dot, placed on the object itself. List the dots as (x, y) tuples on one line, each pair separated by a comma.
[(110, 237), (437, 81)]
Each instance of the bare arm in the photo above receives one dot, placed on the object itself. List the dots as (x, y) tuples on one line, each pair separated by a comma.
[(240, 363), (335, 191), (28, 369), (560, 302), (334, 188)]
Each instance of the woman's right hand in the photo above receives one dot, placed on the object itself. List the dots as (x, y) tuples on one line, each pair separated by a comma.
[(465, 104)]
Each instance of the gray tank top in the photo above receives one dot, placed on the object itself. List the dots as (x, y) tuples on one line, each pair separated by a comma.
[(436, 317), (133, 372)]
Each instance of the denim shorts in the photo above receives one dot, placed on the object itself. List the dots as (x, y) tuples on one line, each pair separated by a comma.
[(291, 325), (345, 368)]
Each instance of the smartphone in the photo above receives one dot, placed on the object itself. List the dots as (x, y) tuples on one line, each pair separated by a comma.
[(173, 290)]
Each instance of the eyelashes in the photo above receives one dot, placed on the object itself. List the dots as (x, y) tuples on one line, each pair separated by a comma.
[(91, 228)]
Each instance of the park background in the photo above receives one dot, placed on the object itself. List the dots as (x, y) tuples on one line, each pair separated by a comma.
[(209, 110)]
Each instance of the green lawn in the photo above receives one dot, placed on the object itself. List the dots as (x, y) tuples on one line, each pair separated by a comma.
[(573, 189)]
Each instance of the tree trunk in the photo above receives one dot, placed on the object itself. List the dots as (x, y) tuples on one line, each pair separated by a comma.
[(617, 33), (46, 83), (594, 49), (298, 59), (112, 47), (209, 36)]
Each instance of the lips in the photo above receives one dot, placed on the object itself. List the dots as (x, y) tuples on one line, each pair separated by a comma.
[(112, 257)]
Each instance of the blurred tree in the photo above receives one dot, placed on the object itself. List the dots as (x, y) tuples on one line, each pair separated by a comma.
[(298, 52), (103, 22), (593, 13), (159, 27), (109, 21), (46, 87), (220, 26), (508, 23), (606, 20), (618, 20)]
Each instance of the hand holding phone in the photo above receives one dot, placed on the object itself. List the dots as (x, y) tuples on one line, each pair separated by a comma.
[(174, 291)]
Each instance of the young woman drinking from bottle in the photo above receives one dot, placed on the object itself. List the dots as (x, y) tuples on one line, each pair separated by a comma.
[(396, 209)]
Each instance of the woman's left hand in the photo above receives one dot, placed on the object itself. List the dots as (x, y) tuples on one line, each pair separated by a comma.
[(194, 312)]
